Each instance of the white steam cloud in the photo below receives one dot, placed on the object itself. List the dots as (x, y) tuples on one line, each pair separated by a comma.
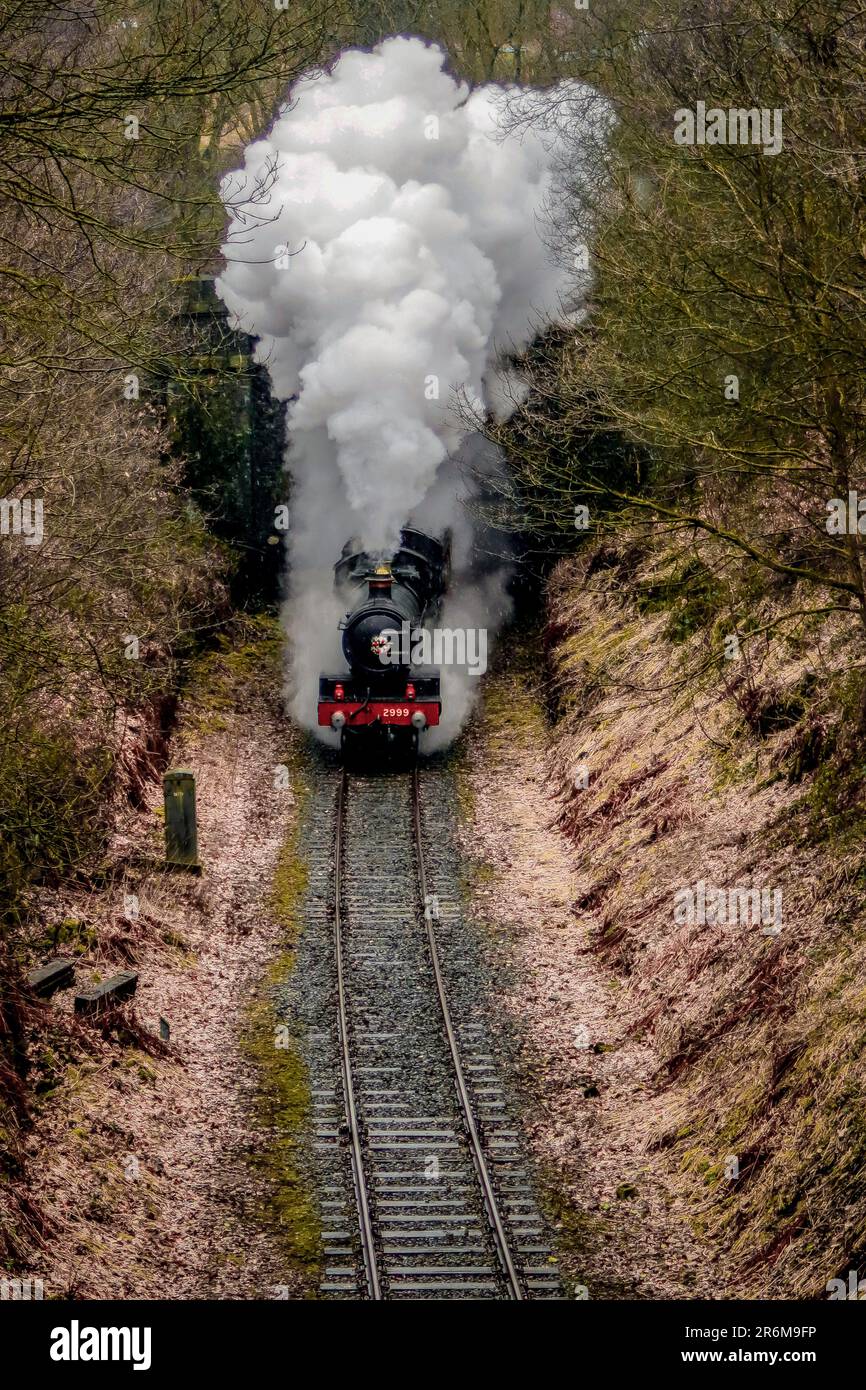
[(385, 248)]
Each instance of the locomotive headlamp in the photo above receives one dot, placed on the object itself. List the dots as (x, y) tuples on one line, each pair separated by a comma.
[(410, 691), (339, 692), (338, 719), (419, 720)]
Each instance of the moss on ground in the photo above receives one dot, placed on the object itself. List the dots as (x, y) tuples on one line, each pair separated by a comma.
[(284, 1102), (689, 591), (220, 679)]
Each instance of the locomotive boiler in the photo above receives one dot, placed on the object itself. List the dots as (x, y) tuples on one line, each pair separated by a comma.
[(384, 698)]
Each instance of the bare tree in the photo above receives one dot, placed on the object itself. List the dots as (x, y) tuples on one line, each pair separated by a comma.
[(726, 324)]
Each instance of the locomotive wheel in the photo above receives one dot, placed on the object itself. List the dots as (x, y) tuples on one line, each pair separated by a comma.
[(375, 746), (349, 747), (404, 747)]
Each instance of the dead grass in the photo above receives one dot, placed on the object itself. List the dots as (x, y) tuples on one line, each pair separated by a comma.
[(146, 1157), (715, 1073), (697, 774)]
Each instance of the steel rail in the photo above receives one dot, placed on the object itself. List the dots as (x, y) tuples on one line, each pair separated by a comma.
[(491, 1205), (368, 1241)]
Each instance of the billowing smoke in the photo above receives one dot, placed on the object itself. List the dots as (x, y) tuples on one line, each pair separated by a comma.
[(385, 248)]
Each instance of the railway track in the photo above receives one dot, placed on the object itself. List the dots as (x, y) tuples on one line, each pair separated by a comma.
[(438, 1202)]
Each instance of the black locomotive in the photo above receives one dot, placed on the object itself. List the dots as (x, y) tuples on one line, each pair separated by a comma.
[(385, 695)]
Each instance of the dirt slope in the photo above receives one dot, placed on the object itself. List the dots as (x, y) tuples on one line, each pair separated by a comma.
[(699, 1084), (148, 1159)]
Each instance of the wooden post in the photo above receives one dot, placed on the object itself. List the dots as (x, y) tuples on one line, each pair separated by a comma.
[(181, 836)]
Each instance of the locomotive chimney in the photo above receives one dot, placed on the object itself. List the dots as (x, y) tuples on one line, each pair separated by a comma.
[(379, 583)]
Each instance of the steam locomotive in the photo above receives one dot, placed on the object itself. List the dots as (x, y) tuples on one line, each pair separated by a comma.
[(385, 700)]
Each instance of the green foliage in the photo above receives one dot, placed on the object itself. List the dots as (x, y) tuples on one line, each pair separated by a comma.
[(692, 593), (230, 433), (833, 807), (53, 812)]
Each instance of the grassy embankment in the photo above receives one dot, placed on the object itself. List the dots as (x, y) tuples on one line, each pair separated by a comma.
[(738, 770)]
